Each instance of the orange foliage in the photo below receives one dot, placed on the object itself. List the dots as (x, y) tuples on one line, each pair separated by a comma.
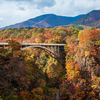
[(48, 35), (88, 35), (13, 44), (32, 29)]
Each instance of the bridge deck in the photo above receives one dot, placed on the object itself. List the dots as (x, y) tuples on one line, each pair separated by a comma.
[(41, 44), (52, 49)]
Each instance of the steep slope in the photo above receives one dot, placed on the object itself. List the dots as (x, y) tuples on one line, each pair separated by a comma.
[(47, 20), (91, 19)]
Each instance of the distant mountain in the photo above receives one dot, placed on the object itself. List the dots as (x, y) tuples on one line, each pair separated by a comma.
[(90, 19), (47, 20)]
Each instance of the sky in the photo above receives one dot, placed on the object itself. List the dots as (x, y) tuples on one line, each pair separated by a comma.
[(15, 11)]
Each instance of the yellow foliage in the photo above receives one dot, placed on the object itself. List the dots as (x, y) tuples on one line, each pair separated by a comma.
[(91, 94), (87, 53), (71, 73), (39, 90), (77, 90), (77, 73), (94, 86), (54, 68), (38, 40), (82, 94), (69, 66), (41, 82), (37, 93), (80, 32), (79, 98)]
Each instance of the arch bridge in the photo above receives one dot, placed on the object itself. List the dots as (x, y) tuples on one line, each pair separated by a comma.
[(51, 49)]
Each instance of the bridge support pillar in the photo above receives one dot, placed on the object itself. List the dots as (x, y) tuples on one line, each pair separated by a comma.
[(58, 51), (4, 46), (55, 49)]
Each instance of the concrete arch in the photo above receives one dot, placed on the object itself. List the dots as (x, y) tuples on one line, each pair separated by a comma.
[(50, 52)]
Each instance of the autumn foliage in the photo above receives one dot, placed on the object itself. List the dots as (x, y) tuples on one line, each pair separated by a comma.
[(32, 74)]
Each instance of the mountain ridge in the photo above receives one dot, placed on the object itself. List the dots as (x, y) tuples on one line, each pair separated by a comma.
[(46, 20), (91, 19)]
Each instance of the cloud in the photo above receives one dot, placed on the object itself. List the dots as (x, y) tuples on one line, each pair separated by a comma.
[(44, 3), (38, 3), (1, 19), (73, 7), (72, 3), (19, 0), (15, 11), (21, 8)]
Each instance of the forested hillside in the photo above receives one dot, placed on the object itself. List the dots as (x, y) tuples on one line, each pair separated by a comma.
[(32, 74)]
